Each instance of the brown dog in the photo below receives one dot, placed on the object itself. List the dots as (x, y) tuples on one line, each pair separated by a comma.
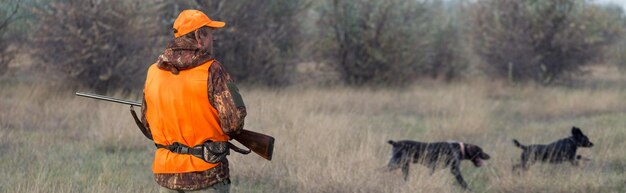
[(435, 155)]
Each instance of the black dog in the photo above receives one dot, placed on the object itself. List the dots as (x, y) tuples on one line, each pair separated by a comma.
[(556, 152), (435, 155)]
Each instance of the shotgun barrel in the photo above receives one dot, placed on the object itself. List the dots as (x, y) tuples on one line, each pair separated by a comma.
[(108, 98)]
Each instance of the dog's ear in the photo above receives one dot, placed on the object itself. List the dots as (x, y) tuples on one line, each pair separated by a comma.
[(576, 131), (484, 156), (474, 150)]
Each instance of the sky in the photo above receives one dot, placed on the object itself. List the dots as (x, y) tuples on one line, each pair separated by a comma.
[(619, 2)]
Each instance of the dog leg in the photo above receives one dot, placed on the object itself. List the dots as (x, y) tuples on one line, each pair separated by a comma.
[(405, 171), (575, 160), (396, 161), (575, 163), (516, 167), (581, 158), (457, 174), (393, 165), (522, 165), (525, 159)]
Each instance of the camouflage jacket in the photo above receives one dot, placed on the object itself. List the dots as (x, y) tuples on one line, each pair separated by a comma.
[(224, 96)]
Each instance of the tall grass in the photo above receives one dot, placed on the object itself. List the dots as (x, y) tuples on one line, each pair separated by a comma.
[(327, 139)]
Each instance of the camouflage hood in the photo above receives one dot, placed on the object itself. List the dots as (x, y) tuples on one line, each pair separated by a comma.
[(182, 54)]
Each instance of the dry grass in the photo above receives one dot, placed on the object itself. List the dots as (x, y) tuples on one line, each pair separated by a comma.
[(327, 139)]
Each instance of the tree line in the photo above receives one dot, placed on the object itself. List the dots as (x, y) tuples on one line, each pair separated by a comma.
[(108, 44)]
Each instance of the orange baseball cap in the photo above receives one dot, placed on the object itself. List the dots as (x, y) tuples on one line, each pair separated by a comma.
[(191, 20)]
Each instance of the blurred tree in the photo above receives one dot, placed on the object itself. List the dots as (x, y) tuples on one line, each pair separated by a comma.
[(8, 13), (260, 41), (617, 53), (449, 58), (542, 41), (376, 41), (101, 44)]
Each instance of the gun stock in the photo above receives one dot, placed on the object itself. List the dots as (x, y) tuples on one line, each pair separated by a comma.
[(259, 143)]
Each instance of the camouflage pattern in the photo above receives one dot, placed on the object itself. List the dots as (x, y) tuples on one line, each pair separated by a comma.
[(194, 180), (223, 99), (217, 188), (182, 54)]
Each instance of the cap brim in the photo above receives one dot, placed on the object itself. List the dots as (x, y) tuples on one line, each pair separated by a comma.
[(216, 24)]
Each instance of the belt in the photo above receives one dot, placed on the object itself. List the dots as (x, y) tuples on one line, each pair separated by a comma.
[(183, 149), (201, 151)]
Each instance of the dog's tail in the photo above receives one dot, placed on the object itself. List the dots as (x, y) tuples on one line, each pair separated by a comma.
[(518, 144), (395, 144)]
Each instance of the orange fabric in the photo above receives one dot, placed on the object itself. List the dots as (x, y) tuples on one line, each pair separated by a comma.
[(191, 20), (178, 110)]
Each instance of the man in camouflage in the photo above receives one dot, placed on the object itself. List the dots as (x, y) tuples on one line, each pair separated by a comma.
[(185, 77)]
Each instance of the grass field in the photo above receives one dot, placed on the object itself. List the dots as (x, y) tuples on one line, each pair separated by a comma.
[(328, 139)]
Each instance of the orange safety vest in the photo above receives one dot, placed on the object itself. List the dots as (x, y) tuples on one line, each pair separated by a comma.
[(178, 110)]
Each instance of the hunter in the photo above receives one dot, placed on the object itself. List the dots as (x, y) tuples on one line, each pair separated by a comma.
[(190, 107)]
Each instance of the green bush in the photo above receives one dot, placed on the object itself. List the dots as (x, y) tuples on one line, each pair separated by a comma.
[(376, 41), (101, 44), (8, 15), (450, 58), (542, 41), (260, 42)]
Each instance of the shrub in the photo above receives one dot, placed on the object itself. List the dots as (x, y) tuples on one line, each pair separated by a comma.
[(376, 41), (7, 16), (449, 56), (100, 44), (541, 41), (259, 44)]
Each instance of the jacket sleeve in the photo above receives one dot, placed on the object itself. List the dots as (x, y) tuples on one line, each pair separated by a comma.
[(144, 121), (224, 96)]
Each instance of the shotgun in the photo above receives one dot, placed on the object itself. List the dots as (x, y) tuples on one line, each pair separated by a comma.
[(259, 143)]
